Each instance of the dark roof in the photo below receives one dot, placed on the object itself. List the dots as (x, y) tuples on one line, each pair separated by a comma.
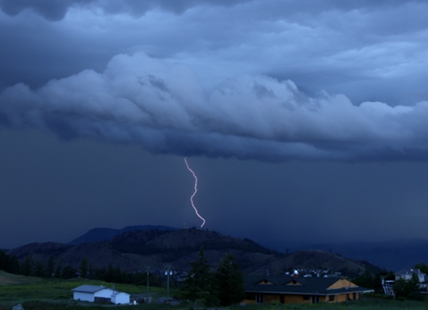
[(312, 286)]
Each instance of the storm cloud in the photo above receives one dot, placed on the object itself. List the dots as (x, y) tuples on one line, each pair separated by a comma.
[(138, 99)]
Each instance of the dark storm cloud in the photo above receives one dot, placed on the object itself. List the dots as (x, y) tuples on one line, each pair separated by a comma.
[(52, 10), (221, 77), (56, 10), (139, 99)]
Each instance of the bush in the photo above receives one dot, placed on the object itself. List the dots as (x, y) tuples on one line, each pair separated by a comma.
[(416, 296)]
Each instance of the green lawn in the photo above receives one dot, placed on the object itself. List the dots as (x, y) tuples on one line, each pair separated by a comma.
[(52, 294)]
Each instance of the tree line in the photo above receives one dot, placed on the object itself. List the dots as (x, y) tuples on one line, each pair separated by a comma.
[(56, 269)]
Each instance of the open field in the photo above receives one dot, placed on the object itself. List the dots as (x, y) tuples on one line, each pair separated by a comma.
[(38, 293), (51, 294)]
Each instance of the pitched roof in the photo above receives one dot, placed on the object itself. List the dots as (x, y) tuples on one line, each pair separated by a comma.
[(300, 286), (409, 271), (86, 288), (120, 293)]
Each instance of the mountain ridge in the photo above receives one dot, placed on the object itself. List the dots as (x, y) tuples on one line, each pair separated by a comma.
[(103, 233), (134, 250)]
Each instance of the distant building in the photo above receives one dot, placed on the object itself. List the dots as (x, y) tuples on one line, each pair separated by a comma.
[(406, 274), (99, 293), (294, 289), (120, 298)]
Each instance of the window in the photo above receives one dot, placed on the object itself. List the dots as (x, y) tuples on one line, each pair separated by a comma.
[(330, 297), (306, 297)]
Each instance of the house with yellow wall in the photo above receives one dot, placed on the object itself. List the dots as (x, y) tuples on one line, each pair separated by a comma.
[(294, 289)]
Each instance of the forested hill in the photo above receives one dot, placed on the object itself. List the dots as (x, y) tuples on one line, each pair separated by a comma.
[(103, 234), (135, 250)]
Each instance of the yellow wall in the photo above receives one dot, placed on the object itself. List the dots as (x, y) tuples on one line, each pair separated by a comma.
[(342, 283), (296, 299), (268, 298)]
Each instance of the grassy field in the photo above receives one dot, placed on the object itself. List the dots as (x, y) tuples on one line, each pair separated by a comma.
[(52, 294)]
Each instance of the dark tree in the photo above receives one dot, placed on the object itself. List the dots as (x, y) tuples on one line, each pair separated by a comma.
[(199, 284), (58, 270), (422, 267), (390, 276), (40, 269), (403, 288), (27, 266), (5, 262), (69, 272), (15, 265), (84, 268), (229, 282), (50, 267), (365, 280)]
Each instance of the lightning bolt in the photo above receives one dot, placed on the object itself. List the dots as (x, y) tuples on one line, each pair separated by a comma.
[(194, 193)]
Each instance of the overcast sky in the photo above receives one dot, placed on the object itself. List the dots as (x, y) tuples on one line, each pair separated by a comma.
[(305, 121)]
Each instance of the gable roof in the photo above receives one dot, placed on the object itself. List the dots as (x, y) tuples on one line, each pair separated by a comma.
[(120, 293), (409, 271), (86, 288), (300, 286)]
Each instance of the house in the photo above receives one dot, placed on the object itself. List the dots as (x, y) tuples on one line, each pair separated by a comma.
[(99, 293), (423, 286), (292, 289), (120, 298), (407, 274)]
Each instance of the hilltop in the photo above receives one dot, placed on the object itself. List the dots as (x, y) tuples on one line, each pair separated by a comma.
[(134, 250)]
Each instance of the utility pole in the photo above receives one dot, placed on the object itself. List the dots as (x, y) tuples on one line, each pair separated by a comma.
[(148, 283), (168, 272)]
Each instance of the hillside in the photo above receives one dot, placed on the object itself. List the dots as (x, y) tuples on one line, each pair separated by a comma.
[(392, 255), (135, 250), (103, 234)]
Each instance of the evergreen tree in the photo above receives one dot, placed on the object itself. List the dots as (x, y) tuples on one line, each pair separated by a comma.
[(422, 267), (40, 270), (69, 272), (15, 265), (403, 288), (5, 261), (50, 267), (365, 280), (58, 270), (110, 274), (27, 266), (229, 281), (84, 268), (199, 284)]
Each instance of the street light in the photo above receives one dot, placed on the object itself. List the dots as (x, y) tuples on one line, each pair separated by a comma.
[(168, 272)]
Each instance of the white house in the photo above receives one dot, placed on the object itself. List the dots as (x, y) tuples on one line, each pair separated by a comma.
[(120, 298), (407, 274), (100, 293)]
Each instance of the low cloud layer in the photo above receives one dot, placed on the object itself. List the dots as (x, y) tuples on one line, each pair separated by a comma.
[(165, 108)]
